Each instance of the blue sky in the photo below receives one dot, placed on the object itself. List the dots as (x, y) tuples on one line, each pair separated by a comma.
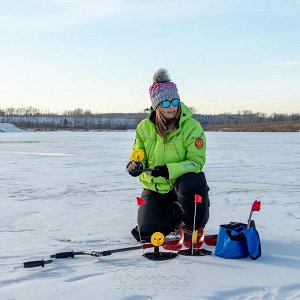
[(224, 56)]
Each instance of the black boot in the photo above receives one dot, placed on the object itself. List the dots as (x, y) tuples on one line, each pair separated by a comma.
[(136, 235)]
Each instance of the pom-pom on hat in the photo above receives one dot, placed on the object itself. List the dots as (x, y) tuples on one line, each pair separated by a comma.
[(162, 88)]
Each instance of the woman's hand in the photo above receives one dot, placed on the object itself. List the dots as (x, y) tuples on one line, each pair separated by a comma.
[(160, 171), (134, 168)]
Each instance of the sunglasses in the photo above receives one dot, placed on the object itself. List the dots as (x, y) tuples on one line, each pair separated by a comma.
[(167, 103)]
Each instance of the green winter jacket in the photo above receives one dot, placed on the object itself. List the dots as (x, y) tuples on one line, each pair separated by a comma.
[(184, 151)]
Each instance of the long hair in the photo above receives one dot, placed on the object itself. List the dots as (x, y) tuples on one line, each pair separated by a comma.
[(164, 125)]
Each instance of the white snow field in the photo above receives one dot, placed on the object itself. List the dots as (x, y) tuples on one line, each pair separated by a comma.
[(63, 191)]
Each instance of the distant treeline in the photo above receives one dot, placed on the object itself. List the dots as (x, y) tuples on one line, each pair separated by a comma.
[(31, 117)]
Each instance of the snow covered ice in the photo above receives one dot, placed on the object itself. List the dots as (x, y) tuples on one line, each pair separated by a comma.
[(63, 191)]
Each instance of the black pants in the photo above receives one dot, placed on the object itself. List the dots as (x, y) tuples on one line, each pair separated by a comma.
[(164, 212)]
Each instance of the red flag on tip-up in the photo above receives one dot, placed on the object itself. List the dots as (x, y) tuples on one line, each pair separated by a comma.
[(140, 201), (256, 205), (198, 199)]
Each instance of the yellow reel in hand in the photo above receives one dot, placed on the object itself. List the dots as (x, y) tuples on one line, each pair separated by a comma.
[(138, 155)]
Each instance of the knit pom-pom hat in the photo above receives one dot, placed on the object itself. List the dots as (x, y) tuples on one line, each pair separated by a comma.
[(162, 88)]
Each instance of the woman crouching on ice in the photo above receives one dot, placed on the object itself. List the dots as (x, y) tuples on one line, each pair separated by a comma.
[(174, 148)]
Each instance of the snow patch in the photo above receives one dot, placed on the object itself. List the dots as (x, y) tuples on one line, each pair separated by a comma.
[(8, 127)]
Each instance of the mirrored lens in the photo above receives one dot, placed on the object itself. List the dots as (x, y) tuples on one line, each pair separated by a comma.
[(166, 104), (175, 102)]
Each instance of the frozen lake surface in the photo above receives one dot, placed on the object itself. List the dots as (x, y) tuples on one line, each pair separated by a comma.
[(63, 191)]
